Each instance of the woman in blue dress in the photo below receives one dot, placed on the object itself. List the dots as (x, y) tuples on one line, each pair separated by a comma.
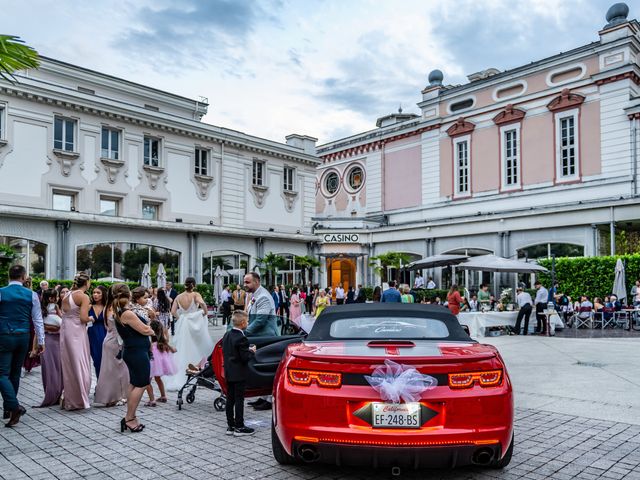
[(98, 330)]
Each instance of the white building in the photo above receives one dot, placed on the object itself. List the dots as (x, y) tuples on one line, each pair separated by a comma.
[(99, 173)]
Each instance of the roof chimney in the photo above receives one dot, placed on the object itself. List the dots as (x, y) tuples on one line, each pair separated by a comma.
[(303, 142)]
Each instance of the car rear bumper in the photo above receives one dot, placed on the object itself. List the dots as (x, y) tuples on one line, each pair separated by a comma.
[(449, 456)]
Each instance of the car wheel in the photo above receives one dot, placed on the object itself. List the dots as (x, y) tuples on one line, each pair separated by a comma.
[(279, 453), (504, 461)]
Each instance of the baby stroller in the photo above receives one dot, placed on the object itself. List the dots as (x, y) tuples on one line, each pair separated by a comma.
[(203, 378)]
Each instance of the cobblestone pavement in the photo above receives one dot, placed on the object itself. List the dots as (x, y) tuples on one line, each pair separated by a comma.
[(190, 443)]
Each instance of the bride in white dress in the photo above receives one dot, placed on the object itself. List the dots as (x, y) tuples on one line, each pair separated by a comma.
[(191, 340)]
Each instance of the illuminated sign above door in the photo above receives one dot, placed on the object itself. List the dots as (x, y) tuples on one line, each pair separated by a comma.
[(341, 238)]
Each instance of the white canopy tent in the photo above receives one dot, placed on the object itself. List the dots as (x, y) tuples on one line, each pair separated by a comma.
[(161, 276), (217, 284), (436, 261)]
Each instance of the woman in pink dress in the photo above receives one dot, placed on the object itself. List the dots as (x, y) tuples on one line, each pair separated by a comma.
[(295, 308), (74, 346)]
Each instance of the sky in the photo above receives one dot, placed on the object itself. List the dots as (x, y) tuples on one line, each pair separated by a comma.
[(324, 68)]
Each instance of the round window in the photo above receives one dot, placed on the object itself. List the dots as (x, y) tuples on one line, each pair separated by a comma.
[(355, 178), (331, 183)]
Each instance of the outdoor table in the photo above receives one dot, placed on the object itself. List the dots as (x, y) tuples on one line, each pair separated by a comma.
[(479, 321)]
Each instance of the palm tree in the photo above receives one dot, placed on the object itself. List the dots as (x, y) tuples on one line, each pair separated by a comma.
[(388, 260), (15, 55), (306, 263), (271, 263)]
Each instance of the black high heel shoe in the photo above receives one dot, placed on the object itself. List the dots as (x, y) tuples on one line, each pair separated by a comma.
[(124, 426)]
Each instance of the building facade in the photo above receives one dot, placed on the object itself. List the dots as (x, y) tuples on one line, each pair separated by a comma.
[(105, 175), (534, 161)]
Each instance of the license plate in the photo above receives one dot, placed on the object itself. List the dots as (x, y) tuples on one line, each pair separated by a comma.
[(396, 415)]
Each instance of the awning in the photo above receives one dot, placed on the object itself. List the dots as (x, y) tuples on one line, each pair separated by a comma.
[(436, 261)]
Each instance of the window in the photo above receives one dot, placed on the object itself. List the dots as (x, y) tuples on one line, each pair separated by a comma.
[(567, 147), (151, 152), (355, 178), (2, 122), (64, 201), (462, 166), (150, 211), (510, 156), (372, 328), (110, 143), (64, 134), (202, 162), (258, 173), (109, 206), (288, 176), (331, 183)]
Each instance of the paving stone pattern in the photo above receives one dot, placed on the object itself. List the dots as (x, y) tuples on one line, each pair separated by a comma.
[(50, 443)]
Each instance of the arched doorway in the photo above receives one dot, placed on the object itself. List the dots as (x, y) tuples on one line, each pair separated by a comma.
[(233, 265), (30, 254), (341, 270)]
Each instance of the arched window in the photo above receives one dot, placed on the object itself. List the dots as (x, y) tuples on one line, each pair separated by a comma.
[(22, 251), (233, 265), (121, 261)]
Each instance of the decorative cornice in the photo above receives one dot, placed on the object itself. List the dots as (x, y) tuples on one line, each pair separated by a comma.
[(373, 146), (565, 100), (203, 185), (509, 115), (259, 193), (223, 138), (633, 76), (461, 127), (112, 167)]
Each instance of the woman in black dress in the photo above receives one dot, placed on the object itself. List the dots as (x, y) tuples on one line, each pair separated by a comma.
[(135, 333)]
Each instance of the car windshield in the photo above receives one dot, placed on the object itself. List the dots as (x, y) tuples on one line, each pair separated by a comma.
[(388, 328)]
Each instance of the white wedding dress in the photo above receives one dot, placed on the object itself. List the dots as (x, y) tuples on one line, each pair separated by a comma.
[(192, 342)]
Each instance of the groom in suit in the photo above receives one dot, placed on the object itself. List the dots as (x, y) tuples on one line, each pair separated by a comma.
[(19, 306)]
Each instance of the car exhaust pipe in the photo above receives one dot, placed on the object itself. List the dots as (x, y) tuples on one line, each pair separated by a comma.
[(308, 453), (482, 456)]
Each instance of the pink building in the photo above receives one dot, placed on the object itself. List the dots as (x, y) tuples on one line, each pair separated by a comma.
[(529, 162)]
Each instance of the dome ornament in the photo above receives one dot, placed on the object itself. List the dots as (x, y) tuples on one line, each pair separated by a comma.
[(617, 14)]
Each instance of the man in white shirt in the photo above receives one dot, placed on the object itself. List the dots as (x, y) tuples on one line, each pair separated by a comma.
[(431, 284), (339, 295), (225, 305), (473, 303), (541, 303), (418, 282), (523, 299)]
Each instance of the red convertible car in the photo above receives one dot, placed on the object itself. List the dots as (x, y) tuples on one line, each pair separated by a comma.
[(325, 408)]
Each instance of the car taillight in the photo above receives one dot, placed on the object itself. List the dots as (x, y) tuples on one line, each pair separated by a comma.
[(304, 378), (489, 378)]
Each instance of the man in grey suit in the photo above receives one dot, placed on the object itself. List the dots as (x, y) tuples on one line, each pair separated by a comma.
[(262, 321), (19, 306)]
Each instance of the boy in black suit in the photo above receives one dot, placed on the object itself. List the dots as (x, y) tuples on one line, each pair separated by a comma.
[(237, 352)]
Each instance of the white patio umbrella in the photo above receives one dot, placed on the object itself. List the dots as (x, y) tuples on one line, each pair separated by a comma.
[(433, 261), (619, 282), (161, 277), (145, 281), (217, 284), (493, 263)]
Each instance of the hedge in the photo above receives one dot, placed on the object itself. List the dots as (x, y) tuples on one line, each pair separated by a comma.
[(591, 276)]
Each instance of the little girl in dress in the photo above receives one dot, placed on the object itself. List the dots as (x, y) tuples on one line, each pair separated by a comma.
[(162, 362)]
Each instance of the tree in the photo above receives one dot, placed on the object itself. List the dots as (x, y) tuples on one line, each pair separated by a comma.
[(15, 55), (384, 261), (306, 264), (7, 256), (271, 263)]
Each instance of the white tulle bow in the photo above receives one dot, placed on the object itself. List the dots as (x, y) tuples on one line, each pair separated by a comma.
[(394, 382)]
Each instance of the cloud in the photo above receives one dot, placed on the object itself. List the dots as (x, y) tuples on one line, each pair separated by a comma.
[(507, 34), (192, 33)]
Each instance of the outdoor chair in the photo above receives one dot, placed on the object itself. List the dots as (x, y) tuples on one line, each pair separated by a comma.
[(608, 317), (583, 318), (622, 319)]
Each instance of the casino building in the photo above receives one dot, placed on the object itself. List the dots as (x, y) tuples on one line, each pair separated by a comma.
[(104, 175), (534, 161)]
